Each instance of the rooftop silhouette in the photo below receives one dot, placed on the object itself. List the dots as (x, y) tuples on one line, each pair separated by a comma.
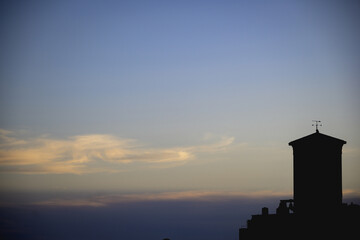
[(317, 210)]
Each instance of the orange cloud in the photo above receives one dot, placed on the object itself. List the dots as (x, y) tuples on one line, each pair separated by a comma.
[(105, 200), (202, 196), (88, 154)]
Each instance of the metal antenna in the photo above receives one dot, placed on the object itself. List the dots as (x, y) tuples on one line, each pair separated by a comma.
[(317, 124)]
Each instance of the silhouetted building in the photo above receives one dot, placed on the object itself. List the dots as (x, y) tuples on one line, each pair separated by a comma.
[(317, 172), (317, 211)]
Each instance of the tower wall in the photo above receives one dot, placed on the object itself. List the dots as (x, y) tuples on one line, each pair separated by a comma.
[(317, 173)]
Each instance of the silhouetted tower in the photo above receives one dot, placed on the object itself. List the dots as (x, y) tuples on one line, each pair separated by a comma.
[(317, 173)]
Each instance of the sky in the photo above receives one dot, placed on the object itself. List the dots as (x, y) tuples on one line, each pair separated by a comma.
[(176, 98)]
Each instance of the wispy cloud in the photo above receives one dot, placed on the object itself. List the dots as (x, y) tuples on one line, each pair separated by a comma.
[(89, 153), (70, 203), (203, 196), (351, 193)]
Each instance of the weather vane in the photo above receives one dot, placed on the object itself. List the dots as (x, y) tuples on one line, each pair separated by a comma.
[(317, 124)]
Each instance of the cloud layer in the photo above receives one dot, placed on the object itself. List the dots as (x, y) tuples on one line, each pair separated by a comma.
[(89, 154), (103, 200), (207, 196), (202, 196)]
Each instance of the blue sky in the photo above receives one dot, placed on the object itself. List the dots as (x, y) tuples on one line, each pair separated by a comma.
[(172, 117), (152, 96)]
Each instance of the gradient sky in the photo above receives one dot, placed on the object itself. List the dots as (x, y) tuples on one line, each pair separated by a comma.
[(167, 96)]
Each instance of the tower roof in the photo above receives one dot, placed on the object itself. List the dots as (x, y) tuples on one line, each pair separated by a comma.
[(317, 137)]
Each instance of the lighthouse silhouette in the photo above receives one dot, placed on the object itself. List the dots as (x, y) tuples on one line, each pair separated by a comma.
[(317, 173)]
